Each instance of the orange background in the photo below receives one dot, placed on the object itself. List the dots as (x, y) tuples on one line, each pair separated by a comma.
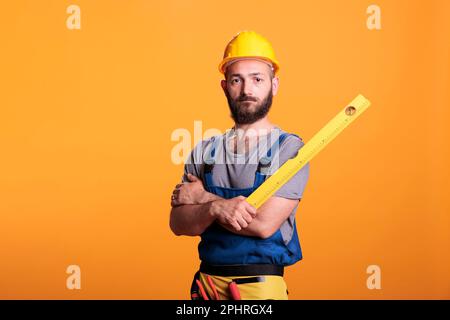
[(85, 134)]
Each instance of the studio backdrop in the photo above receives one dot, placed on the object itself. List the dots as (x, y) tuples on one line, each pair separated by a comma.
[(101, 101)]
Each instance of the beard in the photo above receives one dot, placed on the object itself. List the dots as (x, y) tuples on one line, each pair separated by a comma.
[(240, 110)]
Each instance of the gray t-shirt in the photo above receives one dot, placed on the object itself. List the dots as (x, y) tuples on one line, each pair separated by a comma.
[(233, 170)]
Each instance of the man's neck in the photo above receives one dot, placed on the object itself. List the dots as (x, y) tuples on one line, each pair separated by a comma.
[(246, 135), (260, 127)]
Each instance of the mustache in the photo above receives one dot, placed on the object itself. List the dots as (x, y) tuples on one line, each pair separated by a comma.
[(246, 98)]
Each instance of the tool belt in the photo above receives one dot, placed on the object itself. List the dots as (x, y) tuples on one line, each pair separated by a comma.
[(242, 270), (252, 273)]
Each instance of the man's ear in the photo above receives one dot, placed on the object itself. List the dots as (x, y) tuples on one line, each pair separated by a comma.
[(275, 85), (223, 83)]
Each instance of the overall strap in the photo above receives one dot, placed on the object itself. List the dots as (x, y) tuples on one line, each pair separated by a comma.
[(266, 161), (209, 161)]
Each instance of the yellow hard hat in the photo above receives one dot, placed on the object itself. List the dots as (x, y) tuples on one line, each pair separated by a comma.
[(249, 44)]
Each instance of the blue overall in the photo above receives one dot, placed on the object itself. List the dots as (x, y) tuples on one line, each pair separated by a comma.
[(219, 246)]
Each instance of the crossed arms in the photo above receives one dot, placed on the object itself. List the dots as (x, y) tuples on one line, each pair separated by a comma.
[(194, 209)]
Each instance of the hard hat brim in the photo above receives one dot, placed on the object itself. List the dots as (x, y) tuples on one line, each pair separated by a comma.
[(227, 61)]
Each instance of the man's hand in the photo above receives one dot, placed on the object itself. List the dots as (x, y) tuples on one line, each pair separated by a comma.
[(191, 192), (235, 213)]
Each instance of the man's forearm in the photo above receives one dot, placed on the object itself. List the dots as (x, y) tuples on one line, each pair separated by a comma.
[(270, 216), (254, 229), (191, 219), (208, 197)]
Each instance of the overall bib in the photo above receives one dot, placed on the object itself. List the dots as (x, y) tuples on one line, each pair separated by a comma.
[(226, 256)]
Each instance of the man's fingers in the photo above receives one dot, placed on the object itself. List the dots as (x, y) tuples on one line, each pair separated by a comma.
[(236, 226), (251, 209), (247, 217), (192, 178), (242, 222)]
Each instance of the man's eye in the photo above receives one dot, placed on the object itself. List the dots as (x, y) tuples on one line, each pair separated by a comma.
[(258, 79), (234, 80)]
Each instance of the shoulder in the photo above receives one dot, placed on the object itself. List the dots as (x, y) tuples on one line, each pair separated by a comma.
[(288, 149), (198, 153), (291, 141), (290, 146)]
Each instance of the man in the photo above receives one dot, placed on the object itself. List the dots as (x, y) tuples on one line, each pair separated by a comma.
[(243, 251)]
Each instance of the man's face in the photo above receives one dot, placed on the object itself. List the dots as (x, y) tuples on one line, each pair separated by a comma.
[(249, 89)]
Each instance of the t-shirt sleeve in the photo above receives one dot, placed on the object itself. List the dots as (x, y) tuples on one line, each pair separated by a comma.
[(193, 162), (294, 188), (189, 167)]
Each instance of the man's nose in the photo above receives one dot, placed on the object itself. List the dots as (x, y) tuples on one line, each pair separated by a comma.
[(246, 89)]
